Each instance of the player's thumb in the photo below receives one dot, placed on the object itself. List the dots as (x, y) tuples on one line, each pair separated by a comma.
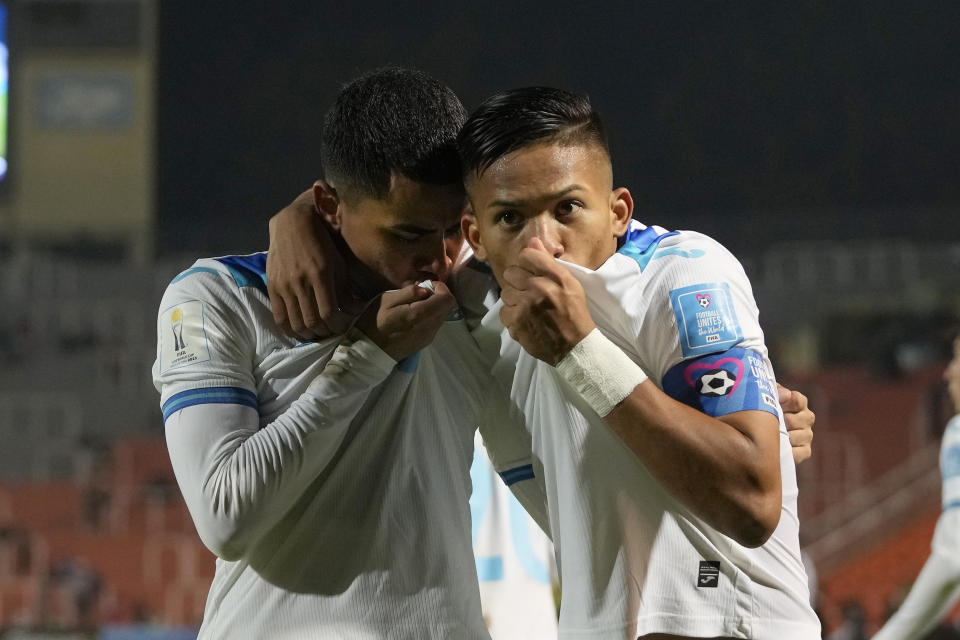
[(783, 393)]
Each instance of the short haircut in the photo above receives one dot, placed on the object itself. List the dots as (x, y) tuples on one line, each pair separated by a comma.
[(519, 118), (392, 119)]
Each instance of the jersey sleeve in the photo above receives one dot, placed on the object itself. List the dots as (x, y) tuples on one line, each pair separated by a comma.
[(239, 479), (205, 343), (697, 321), (510, 450)]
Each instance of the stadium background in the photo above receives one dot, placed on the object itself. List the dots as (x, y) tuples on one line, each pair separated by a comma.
[(817, 140)]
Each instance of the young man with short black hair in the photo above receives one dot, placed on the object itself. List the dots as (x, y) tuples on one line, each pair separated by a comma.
[(331, 478), (635, 355)]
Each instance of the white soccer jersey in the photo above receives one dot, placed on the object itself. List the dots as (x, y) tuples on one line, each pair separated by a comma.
[(340, 504), (950, 464), (937, 588), (632, 560), (513, 557)]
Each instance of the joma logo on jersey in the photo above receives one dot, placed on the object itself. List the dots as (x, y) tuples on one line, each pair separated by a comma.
[(703, 299), (709, 575)]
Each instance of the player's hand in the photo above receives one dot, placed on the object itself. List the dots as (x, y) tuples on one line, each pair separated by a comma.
[(799, 419), (544, 306), (306, 276), (407, 319)]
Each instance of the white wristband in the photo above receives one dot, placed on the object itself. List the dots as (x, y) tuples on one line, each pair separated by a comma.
[(600, 372)]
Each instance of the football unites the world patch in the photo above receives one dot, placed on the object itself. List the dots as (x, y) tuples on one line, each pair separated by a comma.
[(722, 383), (706, 318), (181, 335)]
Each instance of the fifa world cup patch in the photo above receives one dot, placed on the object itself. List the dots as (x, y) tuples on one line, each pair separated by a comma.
[(182, 337), (706, 318), (722, 383)]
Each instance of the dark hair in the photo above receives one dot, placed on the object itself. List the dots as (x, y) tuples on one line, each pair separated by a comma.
[(519, 118), (392, 119)]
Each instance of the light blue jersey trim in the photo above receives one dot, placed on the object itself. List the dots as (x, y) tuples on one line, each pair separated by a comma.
[(409, 364), (209, 395), (489, 568), (192, 271), (512, 476), (951, 505), (673, 251)]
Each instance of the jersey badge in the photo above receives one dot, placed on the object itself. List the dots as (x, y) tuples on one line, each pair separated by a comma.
[(722, 383), (716, 382), (182, 337), (706, 319), (709, 575)]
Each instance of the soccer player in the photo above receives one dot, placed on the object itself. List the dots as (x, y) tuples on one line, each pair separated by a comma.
[(937, 588), (315, 289), (637, 361), (332, 478)]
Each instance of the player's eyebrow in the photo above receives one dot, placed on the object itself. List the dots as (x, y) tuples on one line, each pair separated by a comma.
[(547, 196)]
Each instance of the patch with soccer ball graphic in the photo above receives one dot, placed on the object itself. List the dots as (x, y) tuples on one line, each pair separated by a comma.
[(716, 382), (722, 383)]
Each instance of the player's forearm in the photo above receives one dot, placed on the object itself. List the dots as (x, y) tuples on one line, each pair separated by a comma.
[(238, 480), (727, 474)]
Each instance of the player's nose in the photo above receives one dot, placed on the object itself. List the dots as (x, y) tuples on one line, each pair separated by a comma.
[(546, 230), (436, 263)]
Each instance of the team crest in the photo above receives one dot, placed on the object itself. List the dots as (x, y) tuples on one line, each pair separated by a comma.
[(703, 299)]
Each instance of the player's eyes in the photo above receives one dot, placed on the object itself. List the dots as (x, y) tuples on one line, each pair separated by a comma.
[(507, 218), (569, 207), (406, 236)]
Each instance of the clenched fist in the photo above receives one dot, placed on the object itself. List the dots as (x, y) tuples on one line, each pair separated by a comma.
[(544, 306), (407, 319)]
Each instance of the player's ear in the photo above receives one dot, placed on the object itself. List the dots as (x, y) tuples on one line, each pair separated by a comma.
[(621, 210), (327, 201), (468, 224)]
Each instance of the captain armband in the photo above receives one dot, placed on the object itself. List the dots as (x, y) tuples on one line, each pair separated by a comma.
[(601, 372)]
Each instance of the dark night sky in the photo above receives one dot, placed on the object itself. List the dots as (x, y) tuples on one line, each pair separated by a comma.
[(822, 121)]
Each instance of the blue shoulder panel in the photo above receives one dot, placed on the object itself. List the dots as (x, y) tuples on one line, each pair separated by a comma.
[(247, 271), (640, 244), (722, 383)]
